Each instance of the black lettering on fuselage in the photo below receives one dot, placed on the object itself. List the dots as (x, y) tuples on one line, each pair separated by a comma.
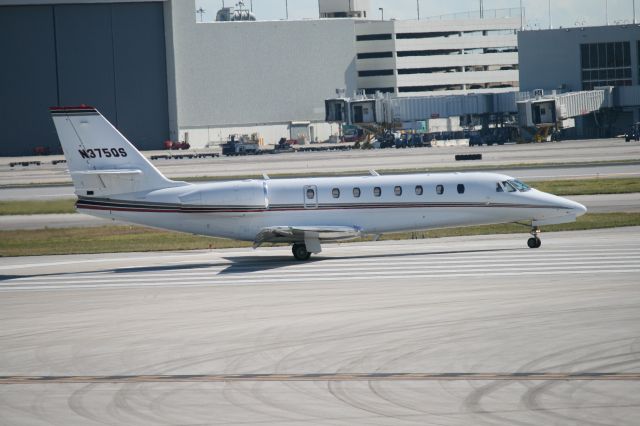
[(102, 152)]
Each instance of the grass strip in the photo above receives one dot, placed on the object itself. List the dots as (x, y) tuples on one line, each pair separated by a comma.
[(117, 239), (589, 186), (66, 205)]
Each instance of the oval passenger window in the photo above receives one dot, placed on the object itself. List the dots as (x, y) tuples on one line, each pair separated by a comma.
[(397, 190), (311, 194), (335, 192), (356, 192), (377, 191), (460, 189), (419, 190), (440, 189)]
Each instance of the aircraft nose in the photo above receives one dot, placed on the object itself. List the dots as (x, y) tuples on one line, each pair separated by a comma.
[(577, 208)]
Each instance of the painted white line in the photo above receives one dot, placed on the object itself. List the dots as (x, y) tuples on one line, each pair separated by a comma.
[(190, 284), (283, 277)]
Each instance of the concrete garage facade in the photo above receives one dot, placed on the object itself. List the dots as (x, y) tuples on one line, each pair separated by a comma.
[(108, 54), (245, 77)]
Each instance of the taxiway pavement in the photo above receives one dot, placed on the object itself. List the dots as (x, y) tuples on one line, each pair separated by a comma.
[(474, 330), (609, 150)]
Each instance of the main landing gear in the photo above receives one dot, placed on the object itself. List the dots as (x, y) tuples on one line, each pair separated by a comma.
[(300, 252), (534, 242)]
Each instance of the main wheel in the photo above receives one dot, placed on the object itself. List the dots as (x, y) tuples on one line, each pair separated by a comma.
[(534, 243), (300, 252)]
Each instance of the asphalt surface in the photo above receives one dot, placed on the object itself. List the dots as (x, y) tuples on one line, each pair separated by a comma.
[(463, 331), (329, 162)]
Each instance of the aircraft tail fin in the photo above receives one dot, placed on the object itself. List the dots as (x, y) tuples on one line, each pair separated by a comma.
[(102, 162)]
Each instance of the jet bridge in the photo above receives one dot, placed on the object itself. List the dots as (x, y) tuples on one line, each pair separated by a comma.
[(544, 115), (535, 110)]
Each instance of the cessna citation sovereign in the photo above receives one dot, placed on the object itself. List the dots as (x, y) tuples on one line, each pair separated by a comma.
[(113, 180)]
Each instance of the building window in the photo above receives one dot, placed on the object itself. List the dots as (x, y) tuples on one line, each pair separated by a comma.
[(397, 190), (374, 73), (375, 90), (356, 192), (377, 191), (404, 71), (460, 189), (440, 189), (606, 64), (335, 192), (419, 190), (409, 36), (375, 55), (435, 52), (372, 37)]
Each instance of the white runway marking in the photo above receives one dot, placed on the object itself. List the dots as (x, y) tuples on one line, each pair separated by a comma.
[(238, 268)]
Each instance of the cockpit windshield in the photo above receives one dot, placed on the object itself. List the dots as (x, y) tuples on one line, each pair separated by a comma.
[(514, 185)]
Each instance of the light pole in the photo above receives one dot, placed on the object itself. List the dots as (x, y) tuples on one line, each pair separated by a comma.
[(550, 19), (381, 9), (634, 12), (286, 8), (201, 11), (521, 17), (418, 7), (481, 9), (606, 11)]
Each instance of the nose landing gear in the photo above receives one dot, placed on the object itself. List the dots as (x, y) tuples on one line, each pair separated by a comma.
[(534, 242)]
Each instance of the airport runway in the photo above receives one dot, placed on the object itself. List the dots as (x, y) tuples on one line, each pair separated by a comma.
[(328, 162), (463, 331)]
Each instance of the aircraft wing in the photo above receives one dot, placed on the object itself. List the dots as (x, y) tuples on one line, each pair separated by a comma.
[(310, 235)]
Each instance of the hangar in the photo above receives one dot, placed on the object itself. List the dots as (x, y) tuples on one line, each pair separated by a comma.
[(111, 54)]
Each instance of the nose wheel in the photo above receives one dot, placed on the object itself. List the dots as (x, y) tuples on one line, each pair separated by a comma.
[(534, 242), (300, 252)]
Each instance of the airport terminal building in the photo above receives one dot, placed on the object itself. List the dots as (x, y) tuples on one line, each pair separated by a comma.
[(157, 73), (574, 59)]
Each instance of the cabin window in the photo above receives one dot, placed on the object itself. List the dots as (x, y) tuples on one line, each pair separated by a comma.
[(397, 190), (440, 189), (311, 194), (499, 187), (509, 187), (335, 192), (520, 186), (356, 192), (419, 190), (460, 189), (377, 191)]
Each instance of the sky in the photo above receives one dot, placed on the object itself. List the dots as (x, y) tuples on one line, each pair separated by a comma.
[(565, 13)]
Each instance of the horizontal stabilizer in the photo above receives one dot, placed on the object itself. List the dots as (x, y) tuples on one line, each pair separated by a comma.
[(112, 172)]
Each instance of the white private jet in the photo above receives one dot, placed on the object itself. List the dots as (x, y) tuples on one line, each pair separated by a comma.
[(114, 180)]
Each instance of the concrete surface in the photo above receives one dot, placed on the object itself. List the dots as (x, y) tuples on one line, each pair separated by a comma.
[(325, 162), (456, 307)]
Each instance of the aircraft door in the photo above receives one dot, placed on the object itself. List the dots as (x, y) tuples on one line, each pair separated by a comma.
[(310, 195)]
